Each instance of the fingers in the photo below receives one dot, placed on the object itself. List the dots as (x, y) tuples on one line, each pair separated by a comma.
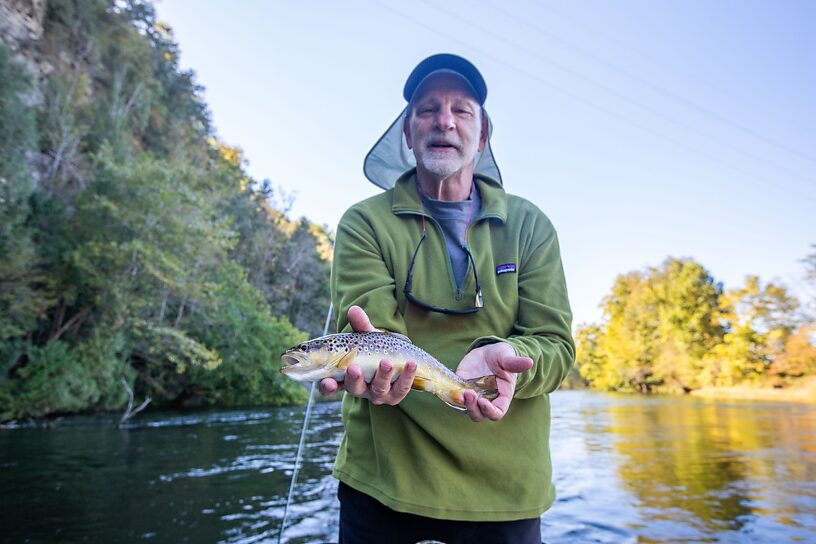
[(328, 386), (479, 409), (401, 387), (516, 364), (359, 320), (383, 391), (380, 390), (354, 383), (495, 410), (472, 405)]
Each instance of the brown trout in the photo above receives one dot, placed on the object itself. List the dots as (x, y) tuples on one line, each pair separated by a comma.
[(329, 356)]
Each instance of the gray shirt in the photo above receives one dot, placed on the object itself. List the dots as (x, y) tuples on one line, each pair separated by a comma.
[(454, 218)]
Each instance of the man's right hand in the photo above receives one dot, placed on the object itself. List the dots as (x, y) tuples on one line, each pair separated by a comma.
[(380, 390)]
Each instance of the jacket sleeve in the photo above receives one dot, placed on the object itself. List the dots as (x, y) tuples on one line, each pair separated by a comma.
[(543, 324), (360, 276)]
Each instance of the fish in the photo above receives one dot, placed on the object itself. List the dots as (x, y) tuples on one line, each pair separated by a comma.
[(329, 357)]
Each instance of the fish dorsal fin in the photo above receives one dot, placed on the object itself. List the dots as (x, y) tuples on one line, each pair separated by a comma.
[(400, 336)]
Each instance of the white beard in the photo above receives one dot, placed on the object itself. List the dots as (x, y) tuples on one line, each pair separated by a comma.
[(441, 164), (444, 163)]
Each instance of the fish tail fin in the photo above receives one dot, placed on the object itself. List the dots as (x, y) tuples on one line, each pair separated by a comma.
[(485, 386)]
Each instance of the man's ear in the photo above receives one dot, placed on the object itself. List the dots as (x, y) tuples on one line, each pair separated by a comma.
[(406, 128), (485, 132)]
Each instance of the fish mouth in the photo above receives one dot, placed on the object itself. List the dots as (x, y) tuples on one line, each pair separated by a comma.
[(290, 360)]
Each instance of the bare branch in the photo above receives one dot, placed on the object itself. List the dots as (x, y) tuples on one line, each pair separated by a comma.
[(130, 412)]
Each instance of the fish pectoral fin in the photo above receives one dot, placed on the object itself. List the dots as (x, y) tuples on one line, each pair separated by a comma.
[(485, 386), (343, 360), (420, 383)]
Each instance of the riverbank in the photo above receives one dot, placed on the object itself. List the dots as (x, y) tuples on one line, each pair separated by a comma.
[(804, 392)]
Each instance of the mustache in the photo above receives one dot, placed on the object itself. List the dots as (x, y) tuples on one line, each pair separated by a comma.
[(436, 140)]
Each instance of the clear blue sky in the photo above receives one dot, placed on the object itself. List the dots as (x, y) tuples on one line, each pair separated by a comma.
[(642, 129)]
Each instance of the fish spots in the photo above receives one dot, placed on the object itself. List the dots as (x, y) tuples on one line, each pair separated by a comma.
[(372, 344)]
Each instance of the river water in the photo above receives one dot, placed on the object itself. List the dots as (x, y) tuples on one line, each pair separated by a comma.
[(627, 469)]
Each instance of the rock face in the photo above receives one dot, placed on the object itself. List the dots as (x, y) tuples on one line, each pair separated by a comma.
[(21, 27), (21, 22)]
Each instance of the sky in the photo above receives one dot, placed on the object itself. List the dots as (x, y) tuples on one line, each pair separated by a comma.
[(644, 130)]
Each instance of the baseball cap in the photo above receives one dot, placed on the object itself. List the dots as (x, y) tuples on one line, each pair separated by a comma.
[(445, 62)]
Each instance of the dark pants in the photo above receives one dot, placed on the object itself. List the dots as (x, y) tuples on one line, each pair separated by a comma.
[(365, 520)]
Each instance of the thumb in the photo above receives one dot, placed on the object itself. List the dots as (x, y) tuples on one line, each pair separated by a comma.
[(516, 364), (359, 320)]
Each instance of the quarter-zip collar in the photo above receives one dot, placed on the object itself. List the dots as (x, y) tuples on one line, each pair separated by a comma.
[(407, 200)]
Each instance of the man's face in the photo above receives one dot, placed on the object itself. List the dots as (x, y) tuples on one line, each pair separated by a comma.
[(445, 126)]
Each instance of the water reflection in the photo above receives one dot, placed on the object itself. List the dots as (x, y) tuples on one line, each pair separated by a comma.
[(627, 469), (685, 469)]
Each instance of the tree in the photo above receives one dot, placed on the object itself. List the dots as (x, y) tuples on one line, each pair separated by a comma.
[(758, 320), (589, 360), (810, 279), (23, 288), (799, 356), (133, 244), (657, 326)]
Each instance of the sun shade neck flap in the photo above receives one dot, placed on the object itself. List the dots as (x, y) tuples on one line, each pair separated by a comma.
[(390, 157)]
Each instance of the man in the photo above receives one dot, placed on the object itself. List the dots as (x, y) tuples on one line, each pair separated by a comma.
[(473, 276)]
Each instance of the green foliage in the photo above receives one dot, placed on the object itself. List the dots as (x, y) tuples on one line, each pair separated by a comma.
[(250, 342), (23, 294), (60, 378), (287, 260), (118, 85), (300, 293), (143, 251)]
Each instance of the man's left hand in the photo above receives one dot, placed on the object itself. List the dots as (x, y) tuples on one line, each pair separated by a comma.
[(499, 359)]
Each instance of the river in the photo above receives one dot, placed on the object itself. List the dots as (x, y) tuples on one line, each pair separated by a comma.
[(627, 469)]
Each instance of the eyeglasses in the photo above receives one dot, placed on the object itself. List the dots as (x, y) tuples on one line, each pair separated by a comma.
[(479, 303)]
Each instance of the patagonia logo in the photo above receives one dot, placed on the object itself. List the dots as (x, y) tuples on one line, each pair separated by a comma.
[(506, 269)]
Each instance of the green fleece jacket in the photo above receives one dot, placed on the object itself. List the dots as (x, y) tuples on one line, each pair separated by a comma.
[(422, 456)]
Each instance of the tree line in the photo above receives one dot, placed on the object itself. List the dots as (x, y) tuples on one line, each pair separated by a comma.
[(133, 244), (674, 328)]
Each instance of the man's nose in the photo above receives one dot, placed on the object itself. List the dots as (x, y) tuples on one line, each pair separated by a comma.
[(445, 119)]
